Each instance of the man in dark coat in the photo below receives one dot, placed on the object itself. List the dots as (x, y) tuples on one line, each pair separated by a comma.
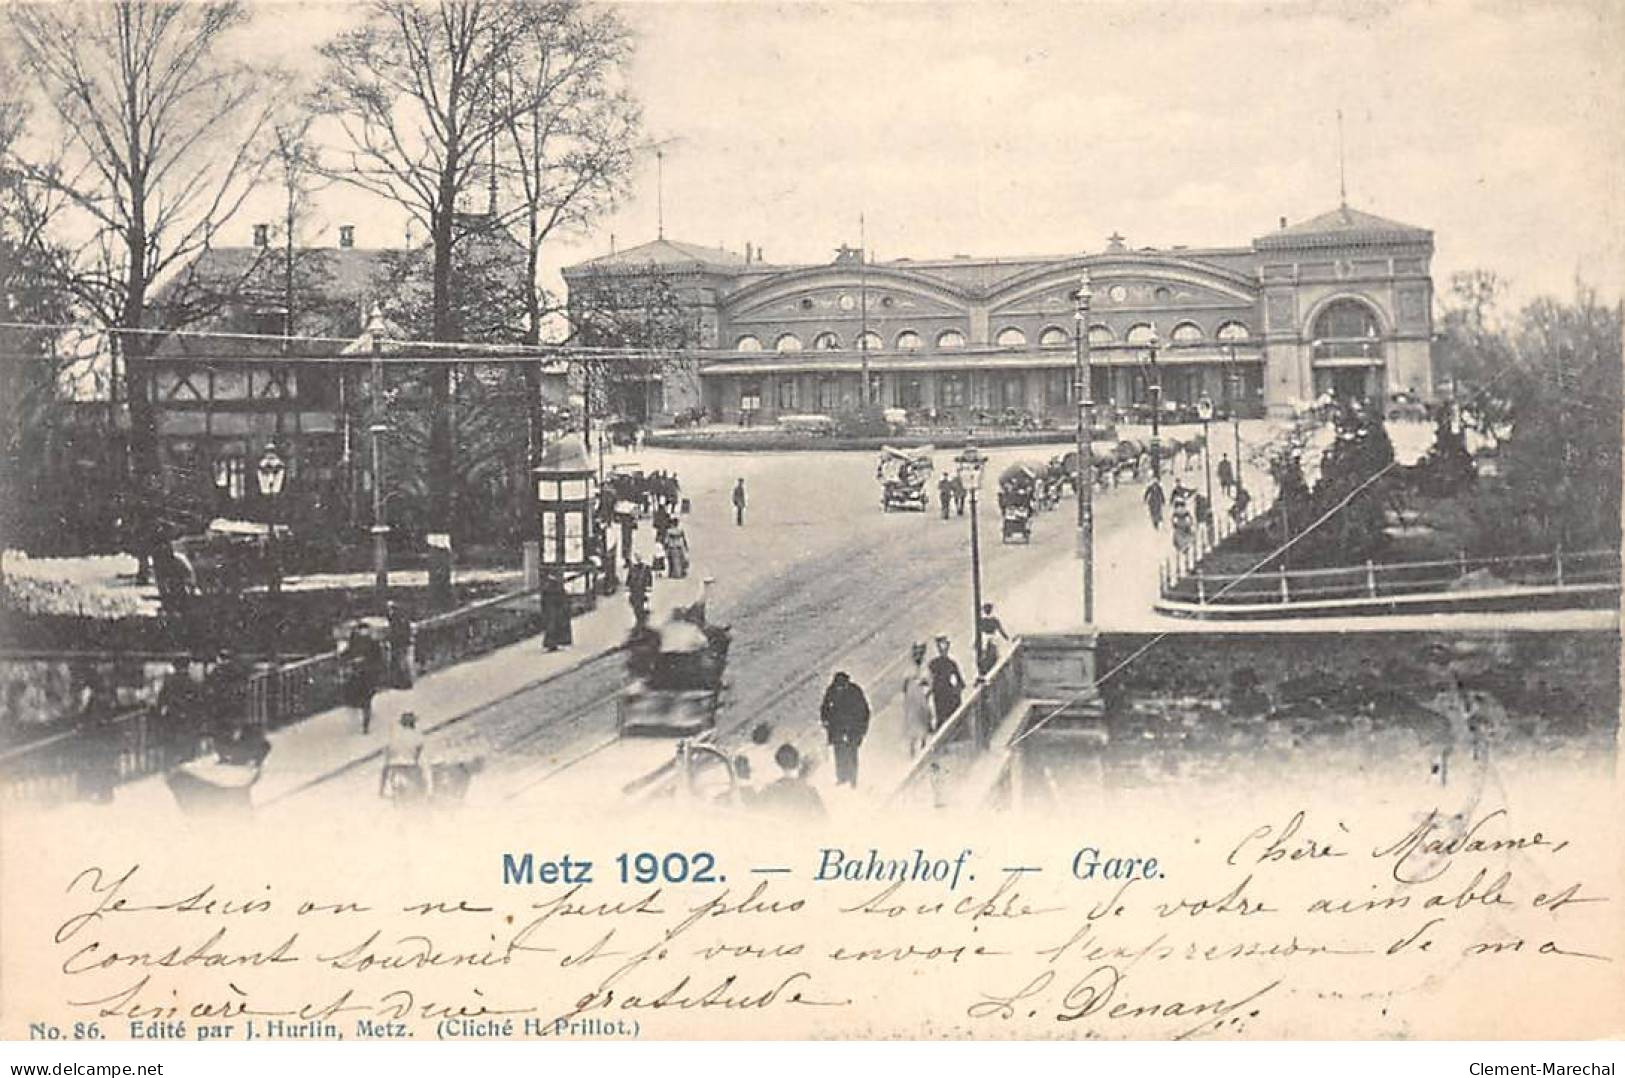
[(947, 684), (364, 664), (1227, 474), (639, 579), (1154, 501), (739, 503), (845, 715)]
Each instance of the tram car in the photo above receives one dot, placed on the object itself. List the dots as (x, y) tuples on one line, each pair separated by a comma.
[(905, 478)]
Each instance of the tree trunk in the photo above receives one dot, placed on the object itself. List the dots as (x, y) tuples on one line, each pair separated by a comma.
[(440, 443), (133, 348)]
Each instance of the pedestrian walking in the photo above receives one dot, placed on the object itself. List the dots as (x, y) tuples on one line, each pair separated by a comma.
[(363, 670), (739, 503), (676, 552), (1238, 507), (1204, 511), (790, 796), (401, 665), (99, 742), (639, 579), (947, 684), (1154, 501), (1227, 474), (629, 527), (177, 712), (917, 720), (556, 631), (845, 715), (959, 496), (991, 627), (407, 775), (945, 494)]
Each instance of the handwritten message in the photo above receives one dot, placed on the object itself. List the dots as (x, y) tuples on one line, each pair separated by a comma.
[(1309, 923)]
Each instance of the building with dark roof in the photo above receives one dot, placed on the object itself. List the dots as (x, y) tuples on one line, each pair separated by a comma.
[(1340, 304)]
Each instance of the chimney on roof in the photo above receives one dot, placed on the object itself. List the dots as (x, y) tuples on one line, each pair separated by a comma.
[(747, 252), (758, 254), (262, 235), (347, 235), (1283, 222)]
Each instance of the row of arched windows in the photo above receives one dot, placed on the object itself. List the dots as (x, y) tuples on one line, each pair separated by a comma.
[(908, 340)]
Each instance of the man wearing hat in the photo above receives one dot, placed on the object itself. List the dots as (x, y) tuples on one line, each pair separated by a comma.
[(845, 715)]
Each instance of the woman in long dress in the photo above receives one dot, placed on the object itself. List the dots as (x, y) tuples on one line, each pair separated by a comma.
[(916, 702)]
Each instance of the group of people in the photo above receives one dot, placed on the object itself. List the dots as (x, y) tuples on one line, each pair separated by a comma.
[(951, 493)]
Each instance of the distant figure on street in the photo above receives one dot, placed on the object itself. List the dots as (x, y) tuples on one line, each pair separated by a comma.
[(225, 695), (406, 775), (991, 627), (947, 684), (959, 495), (917, 720), (98, 742), (676, 544), (556, 631), (1204, 511), (639, 580), (629, 527), (362, 672), (739, 503), (637, 439), (1154, 501), (1238, 507), (845, 716), (178, 713), (401, 667), (790, 796), (1227, 474), (945, 494)]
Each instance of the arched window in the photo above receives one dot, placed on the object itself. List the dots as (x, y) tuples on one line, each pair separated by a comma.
[(826, 342), (1052, 337), (1347, 328), (950, 338), (870, 342), (1233, 331), (1011, 337), (908, 341), (789, 342), (1140, 333), (1099, 334), (747, 343), (1187, 333)]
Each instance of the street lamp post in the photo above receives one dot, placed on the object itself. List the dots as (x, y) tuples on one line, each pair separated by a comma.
[(380, 529), (1086, 463), (1156, 407), (970, 465), (1204, 409), (1235, 409), (272, 474)]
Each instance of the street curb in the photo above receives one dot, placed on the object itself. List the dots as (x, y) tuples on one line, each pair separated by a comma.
[(448, 721)]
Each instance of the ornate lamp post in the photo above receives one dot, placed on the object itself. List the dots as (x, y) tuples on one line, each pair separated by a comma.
[(1156, 406), (1204, 409), (970, 465), (1086, 463), (272, 474), (376, 327)]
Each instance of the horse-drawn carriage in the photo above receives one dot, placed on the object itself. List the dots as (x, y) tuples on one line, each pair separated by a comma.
[(1018, 497), (905, 478), (676, 676)]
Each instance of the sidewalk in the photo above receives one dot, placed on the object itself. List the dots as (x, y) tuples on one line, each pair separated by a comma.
[(331, 741)]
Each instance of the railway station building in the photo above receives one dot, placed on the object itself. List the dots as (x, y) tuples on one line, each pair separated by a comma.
[(1339, 304)]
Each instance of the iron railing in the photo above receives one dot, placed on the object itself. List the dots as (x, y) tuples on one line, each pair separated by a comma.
[(134, 744), (1583, 570)]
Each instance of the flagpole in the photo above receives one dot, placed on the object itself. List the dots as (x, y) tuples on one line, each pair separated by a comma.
[(863, 310)]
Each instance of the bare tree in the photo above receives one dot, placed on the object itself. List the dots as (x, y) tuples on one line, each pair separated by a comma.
[(155, 144), (414, 90), (568, 143)]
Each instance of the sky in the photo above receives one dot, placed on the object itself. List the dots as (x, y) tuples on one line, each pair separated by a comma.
[(1007, 129)]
